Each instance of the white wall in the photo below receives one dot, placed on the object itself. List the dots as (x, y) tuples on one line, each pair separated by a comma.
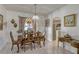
[(3, 36), (50, 28), (67, 10), (40, 24)]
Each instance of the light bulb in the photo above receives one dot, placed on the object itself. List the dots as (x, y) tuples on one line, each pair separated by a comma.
[(35, 17)]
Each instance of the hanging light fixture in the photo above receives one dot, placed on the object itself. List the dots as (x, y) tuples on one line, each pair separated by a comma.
[(35, 17)]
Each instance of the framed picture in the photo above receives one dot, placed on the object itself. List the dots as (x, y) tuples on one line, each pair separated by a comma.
[(1, 22), (70, 20)]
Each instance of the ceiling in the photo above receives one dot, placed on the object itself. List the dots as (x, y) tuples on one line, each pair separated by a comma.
[(42, 9)]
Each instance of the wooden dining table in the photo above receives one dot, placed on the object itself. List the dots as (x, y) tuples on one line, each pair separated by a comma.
[(23, 40)]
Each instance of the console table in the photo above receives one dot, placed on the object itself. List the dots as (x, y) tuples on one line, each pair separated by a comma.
[(73, 42)]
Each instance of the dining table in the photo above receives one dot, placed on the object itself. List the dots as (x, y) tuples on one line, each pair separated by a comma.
[(24, 38)]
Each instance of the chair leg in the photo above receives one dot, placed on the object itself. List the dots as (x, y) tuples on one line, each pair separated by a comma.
[(24, 47), (12, 47), (18, 48), (31, 46), (34, 46), (21, 46), (44, 43), (40, 44)]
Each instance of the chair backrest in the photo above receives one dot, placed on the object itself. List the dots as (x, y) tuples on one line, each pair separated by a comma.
[(39, 34), (12, 39), (44, 34)]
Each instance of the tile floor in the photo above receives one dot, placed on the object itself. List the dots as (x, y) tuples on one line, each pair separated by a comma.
[(49, 48)]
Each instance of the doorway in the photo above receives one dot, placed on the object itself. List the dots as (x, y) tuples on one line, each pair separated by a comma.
[(56, 30), (56, 27)]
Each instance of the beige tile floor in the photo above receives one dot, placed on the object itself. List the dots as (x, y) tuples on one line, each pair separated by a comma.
[(50, 48)]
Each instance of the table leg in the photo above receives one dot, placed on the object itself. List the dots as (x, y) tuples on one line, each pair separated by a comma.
[(58, 43), (63, 45), (77, 51)]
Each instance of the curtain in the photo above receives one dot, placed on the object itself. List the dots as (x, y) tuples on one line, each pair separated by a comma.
[(21, 23)]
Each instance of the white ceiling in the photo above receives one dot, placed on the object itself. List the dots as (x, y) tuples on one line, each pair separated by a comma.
[(42, 9)]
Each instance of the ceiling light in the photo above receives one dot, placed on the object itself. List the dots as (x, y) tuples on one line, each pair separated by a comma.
[(35, 17)]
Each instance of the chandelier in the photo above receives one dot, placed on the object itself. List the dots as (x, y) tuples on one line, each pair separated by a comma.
[(35, 17)]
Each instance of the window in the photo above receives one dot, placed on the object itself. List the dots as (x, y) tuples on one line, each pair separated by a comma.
[(28, 25)]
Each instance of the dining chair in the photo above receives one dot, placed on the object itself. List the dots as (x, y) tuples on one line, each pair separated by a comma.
[(37, 39), (43, 38), (27, 41), (14, 42)]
